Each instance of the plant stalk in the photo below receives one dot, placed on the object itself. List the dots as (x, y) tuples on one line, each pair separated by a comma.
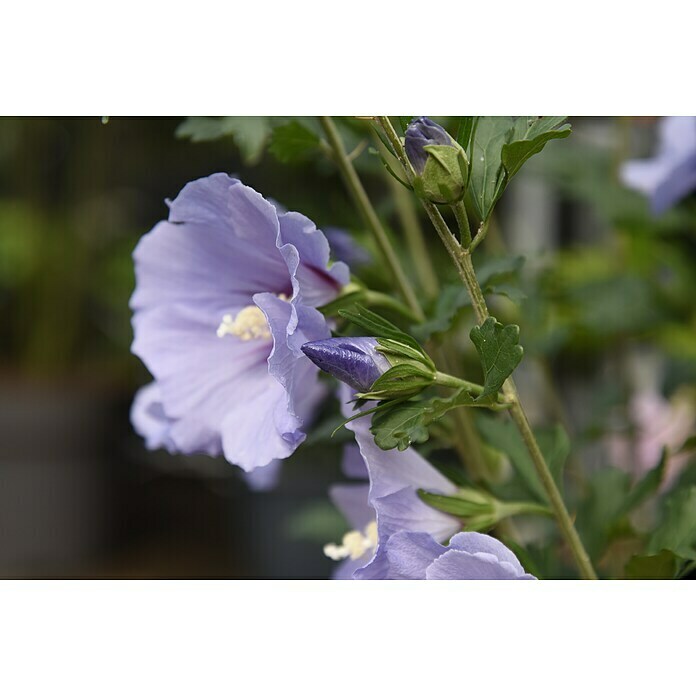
[(369, 216), (464, 265)]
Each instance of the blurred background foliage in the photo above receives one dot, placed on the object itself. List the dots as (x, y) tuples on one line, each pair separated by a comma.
[(602, 289)]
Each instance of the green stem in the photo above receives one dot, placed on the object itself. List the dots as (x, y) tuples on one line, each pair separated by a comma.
[(369, 216), (373, 298), (445, 380), (480, 235), (466, 438), (463, 223), (413, 233), (464, 265)]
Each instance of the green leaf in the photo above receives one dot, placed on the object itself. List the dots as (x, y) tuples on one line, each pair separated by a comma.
[(450, 301), (500, 269), (538, 132), (663, 565), (496, 277), (404, 121), (379, 327), (408, 422), (677, 532), (500, 146), (293, 142), (648, 485), (250, 133), (400, 426), (486, 164), (553, 442), (465, 129), (514, 294), (689, 444), (500, 353)]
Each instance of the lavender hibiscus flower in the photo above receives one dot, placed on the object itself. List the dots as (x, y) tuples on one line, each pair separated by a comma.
[(226, 291), (391, 503), (395, 535), (670, 175), (469, 556)]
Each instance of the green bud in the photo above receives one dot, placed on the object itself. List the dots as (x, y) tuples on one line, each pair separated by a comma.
[(445, 174)]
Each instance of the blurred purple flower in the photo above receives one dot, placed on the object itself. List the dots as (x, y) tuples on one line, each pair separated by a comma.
[(670, 175), (421, 132), (225, 296), (354, 361), (345, 248), (469, 556)]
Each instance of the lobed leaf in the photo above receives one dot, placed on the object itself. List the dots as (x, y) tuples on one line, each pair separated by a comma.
[(250, 133), (499, 351), (532, 141), (408, 422), (293, 142)]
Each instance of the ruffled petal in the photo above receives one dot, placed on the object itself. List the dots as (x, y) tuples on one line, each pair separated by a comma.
[(219, 246), (473, 542), (391, 470), (315, 281), (409, 555), (460, 565), (149, 420), (222, 247)]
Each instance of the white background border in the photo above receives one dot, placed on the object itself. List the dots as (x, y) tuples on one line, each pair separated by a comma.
[(354, 57), (321, 637), (357, 57)]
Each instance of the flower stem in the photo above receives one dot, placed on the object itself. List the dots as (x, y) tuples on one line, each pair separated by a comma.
[(464, 265), (418, 250), (445, 380), (463, 223), (369, 216)]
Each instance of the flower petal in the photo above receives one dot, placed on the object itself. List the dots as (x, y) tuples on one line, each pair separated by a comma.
[(314, 282), (473, 542), (264, 478), (410, 554), (351, 500), (460, 565)]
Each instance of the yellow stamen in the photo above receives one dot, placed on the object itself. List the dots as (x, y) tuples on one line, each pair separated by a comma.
[(354, 544), (249, 323)]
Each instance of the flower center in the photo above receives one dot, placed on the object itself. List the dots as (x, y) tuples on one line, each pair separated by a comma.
[(354, 544), (248, 324)]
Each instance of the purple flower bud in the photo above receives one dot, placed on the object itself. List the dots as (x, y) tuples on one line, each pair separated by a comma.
[(421, 132), (355, 361)]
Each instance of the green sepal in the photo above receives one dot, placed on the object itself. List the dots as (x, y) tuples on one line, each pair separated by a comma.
[(380, 328), (479, 510), (445, 175), (402, 380)]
